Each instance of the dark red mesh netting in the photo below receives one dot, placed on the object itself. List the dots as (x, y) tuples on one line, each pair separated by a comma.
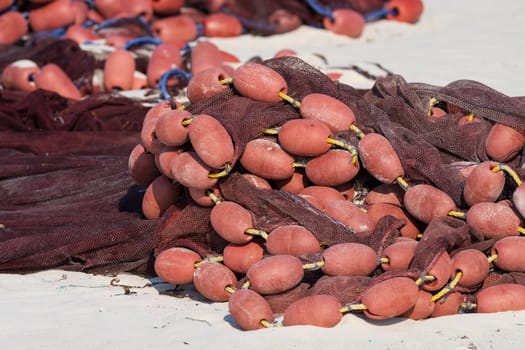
[(68, 201)]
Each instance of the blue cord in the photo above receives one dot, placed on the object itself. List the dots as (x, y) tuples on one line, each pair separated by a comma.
[(163, 83), (91, 4), (378, 14), (113, 22), (142, 41), (320, 9)]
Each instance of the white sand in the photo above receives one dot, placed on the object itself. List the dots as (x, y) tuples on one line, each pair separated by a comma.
[(468, 39)]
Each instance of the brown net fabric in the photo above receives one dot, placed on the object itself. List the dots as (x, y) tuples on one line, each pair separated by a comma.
[(69, 202)]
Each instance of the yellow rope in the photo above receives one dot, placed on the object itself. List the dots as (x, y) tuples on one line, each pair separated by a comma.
[(230, 289), (226, 81), (219, 258), (426, 278), (457, 214), (433, 101), (257, 232), (419, 236), (313, 266), (352, 307), (470, 116), (384, 260), (358, 132), (289, 99), (223, 173), (404, 185), (183, 106), (215, 199), (510, 171), (492, 258), (245, 285), (270, 131), (186, 121), (299, 163), (448, 288), (266, 324), (521, 230), (346, 146)]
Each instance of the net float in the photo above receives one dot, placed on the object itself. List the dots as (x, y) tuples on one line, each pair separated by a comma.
[(473, 265), (283, 21), (211, 141), (231, 220), (295, 184), (291, 137), (483, 184), (119, 69), (240, 257), (285, 53), (351, 215), (333, 168), (159, 196), (275, 274), (378, 210), (257, 181), (172, 127), (448, 305), (329, 110), (140, 8), (313, 201), (205, 197), (258, 82), (503, 143), (214, 281), (407, 11), (221, 25), (56, 14), (249, 309), (190, 171), (292, 240), (425, 202), (207, 83), (509, 253), (80, 8), (345, 22), (385, 193), (19, 75), (52, 78), (175, 28), (266, 158), (80, 34), (518, 199), (379, 158), (166, 7), (14, 26), (347, 190), (140, 81), (349, 259), (205, 55), (398, 256), (390, 298), (164, 57), (501, 297), (324, 194), (111, 8), (436, 112), (157, 110), (148, 136), (493, 220), (441, 269), (164, 159), (176, 265), (319, 310), (423, 307), (6, 4), (142, 167)]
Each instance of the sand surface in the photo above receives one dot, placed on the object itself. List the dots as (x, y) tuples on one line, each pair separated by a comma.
[(468, 39)]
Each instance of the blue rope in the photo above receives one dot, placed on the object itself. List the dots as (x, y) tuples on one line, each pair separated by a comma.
[(378, 14), (113, 22), (163, 83), (142, 41), (321, 9), (91, 4), (200, 29)]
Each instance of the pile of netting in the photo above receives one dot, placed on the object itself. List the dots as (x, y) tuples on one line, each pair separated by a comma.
[(177, 20)]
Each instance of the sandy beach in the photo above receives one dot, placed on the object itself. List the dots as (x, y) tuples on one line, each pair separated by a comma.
[(478, 40)]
